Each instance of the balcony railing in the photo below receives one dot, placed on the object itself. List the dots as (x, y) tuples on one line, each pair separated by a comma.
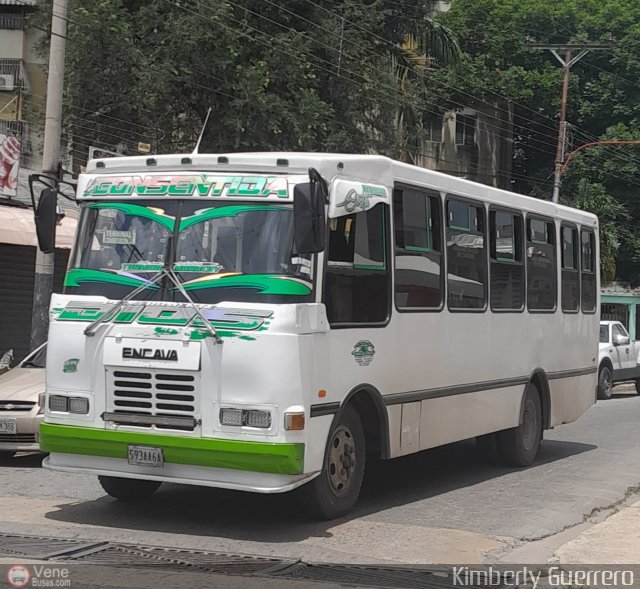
[(12, 20), (14, 75)]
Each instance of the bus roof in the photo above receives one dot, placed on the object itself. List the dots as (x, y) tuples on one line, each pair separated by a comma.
[(368, 168)]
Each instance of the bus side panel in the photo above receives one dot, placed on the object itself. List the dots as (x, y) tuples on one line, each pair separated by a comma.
[(568, 398), (449, 419)]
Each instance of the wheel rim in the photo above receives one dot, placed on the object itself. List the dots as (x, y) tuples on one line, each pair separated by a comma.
[(341, 461), (529, 425), (607, 384)]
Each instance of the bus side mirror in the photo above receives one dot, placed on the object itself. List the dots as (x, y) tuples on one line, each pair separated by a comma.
[(308, 218), (46, 218)]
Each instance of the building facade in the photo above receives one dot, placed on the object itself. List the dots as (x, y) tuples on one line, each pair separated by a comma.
[(22, 91), (475, 142)]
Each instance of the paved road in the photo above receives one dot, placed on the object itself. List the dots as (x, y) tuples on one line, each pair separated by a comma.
[(438, 506)]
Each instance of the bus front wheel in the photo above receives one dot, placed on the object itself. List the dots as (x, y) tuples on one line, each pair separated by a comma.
[(335, 490), (128, 489), (518, 446)]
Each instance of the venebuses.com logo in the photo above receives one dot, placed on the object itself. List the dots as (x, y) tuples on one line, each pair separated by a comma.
[(38, 575), (18, 576)]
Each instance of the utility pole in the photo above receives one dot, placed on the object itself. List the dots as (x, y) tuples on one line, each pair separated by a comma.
[(43, 280), (566, 62)]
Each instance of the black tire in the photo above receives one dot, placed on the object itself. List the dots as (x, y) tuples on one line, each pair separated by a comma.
[(605, 382), (518, 446), (6, 456), (128, 489), (335, 490), (487, 448), (638, 386)]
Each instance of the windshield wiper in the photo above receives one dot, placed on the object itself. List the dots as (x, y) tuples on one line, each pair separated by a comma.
[(168, 272), (171, 275), (89, 330)]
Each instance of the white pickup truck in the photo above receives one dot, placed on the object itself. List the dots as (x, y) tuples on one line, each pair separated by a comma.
[(617, 358)]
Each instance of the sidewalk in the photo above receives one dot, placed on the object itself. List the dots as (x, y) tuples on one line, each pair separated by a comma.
[(615, 540)]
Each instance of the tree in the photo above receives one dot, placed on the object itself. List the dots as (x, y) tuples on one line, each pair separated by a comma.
[(286, 75), (602, 100), (613, 217)]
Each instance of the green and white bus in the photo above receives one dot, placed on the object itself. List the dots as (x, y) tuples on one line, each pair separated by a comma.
[(267, 321)]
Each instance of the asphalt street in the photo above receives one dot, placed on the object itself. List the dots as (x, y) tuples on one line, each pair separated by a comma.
[(439, 506)]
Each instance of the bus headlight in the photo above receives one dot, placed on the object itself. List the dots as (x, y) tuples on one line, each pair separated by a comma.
[(246, 417), (231, 416), (255, 418), (77, 405), (58, 403)]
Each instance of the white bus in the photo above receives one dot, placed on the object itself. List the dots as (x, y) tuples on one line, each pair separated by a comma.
[(266, 321)]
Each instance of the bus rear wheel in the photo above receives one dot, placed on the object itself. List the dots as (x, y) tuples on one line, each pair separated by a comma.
[(128, 489), (335, 490), (518, 446)]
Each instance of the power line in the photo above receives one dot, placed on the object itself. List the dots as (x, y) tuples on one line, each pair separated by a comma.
[(493, 106), (423, 102), (425, 105), (331, 63)]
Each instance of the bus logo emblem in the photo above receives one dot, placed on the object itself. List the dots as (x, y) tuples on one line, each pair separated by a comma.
[(70, 365), (149, 354), (363, 352)]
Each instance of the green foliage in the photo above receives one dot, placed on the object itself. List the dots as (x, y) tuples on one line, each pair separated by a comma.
[(613, 218), (603, 103), (278, 75)]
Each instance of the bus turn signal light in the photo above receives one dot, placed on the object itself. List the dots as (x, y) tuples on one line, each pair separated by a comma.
[(294, 421)]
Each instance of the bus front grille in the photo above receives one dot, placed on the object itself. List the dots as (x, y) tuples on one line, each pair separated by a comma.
[(162, 400)]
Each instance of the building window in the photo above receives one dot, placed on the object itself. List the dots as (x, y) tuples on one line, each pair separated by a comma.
[(588, 268), (541, 265), (465, 130), (570, 268), (419, 272), (357, 282), (433, 127), (466, 256), (507, 265)]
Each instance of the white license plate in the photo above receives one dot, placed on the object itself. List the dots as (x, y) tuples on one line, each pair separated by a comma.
[(8, 426), (145, 456)]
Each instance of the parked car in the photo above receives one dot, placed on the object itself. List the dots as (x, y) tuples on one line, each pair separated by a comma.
[(22, 403), (617, 358)]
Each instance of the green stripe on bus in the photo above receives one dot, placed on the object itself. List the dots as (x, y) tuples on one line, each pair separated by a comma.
[(269, 457)]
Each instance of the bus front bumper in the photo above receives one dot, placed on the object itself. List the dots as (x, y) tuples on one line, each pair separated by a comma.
[(263, 467)]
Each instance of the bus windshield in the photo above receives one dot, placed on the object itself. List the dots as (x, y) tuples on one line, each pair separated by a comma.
[(219, 251)]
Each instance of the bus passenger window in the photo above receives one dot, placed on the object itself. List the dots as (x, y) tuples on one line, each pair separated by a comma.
[(570, 269), (507, 263), (541, 265), (356, 288), (418, 249), (466, 256), (588, 267)]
